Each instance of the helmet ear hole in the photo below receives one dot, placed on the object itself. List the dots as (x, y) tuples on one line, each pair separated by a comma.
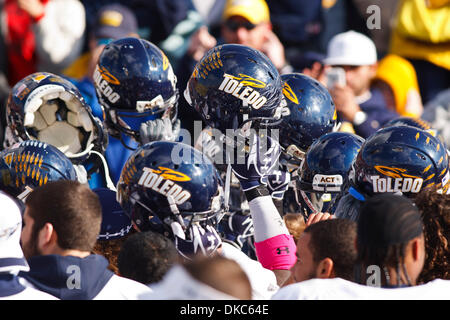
[(421, 156)]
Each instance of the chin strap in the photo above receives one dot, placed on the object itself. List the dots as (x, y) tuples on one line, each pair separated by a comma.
[(227, 188), (109, 182), (80, 154)]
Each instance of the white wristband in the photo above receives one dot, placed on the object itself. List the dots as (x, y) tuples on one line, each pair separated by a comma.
[(359, 118)]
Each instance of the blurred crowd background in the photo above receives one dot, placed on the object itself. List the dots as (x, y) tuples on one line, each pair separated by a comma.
[(397, 50)]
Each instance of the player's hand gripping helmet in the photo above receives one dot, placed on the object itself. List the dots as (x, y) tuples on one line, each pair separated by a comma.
[(312, 114), (323, 175), (172, 188), (234, 84), (46, 107), (30, 164), (400, 159), (135, 84)]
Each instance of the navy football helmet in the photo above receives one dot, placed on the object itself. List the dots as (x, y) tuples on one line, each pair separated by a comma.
[(30, 164), (323, 175), (312, 114), (400, 159), (182, 199), (415, 122), (46, 107), (135, 83), (408, 121), (233, 85)]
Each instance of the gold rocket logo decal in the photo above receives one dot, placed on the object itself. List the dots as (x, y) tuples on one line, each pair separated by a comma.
[(170, 174), (107, 76), (248, 81), (289, 94)]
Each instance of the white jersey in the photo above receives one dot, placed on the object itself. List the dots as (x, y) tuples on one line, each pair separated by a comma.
[(340, 289), (117, 288), (21, 292), (120, 288), (262, 280), (178, 284)]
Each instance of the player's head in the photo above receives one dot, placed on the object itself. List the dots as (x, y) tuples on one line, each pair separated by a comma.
[(173, 189), (31, 164), (233, 85), (46, 107), (311, 114), (134, 82), (400, 159), (323, 174)]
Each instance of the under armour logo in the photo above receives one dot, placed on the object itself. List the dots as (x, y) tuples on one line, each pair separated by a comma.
[(285, 249)]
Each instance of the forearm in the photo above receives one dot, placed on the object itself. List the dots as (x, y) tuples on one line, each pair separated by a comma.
[(275, 247)]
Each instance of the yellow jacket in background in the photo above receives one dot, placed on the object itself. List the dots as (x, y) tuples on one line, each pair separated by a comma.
[(421, 30), (399, 74)]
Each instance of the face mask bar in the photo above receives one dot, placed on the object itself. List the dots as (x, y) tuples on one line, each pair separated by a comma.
[(118, 127)]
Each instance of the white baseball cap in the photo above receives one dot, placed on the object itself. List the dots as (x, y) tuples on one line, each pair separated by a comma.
[(11, 254), (351, 49)]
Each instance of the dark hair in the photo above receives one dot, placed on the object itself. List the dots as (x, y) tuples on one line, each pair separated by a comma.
[(435, 212), (72, 208), (110, 250), (334, 239), (220, 273), (146, 257), (387, 223)]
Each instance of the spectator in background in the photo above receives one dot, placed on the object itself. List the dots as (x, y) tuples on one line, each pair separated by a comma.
[(247, 22), (146, 257), (170, 25), (435, 212), (397, 79), (437, 113), (42, 35), (305, 27), (357, 103), (113, 21), (211, 12), (374, 19), (311, 64), (421, 34), (298, 23)]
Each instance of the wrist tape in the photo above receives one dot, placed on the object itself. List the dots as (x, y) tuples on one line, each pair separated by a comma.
[(277, 253)]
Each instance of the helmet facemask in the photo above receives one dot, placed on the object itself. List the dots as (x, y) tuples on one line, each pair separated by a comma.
[(120, 122)]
